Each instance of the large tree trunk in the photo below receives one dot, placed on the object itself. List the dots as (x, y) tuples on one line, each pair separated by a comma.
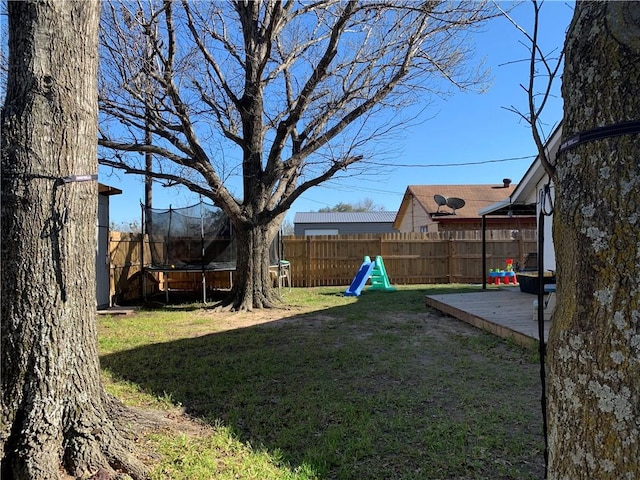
[(54, 410), (253, 285), (594, 343)]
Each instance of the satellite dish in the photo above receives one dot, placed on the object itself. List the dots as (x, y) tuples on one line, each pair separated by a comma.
[(455, 203), (440, 200)]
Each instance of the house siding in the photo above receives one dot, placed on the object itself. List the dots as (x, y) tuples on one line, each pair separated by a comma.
[(345, 223), (416, 218), (549, 258), (344, 228)]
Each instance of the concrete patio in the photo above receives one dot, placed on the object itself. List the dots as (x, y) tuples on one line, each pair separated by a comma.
[(506, 312)]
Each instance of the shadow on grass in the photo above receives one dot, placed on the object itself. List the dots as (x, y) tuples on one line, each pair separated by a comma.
[(359, 391)]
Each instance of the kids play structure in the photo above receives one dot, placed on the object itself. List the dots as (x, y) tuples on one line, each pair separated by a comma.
[(198, 238), (370, 270)]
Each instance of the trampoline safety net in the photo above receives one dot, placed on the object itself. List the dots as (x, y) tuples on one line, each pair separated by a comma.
[(195, 237)]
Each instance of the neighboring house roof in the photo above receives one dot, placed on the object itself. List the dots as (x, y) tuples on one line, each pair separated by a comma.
[(344, 217), (475, 197), (108, 190)]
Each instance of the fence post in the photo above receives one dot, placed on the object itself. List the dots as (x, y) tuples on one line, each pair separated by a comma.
[(307, 269), (143, 289), (112, 273), (452, 259), (520, 248)]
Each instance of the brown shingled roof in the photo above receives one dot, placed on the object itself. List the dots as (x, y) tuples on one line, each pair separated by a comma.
[(475, 197)]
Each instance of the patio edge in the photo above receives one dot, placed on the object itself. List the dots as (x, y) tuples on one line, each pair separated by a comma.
[(481, 323)]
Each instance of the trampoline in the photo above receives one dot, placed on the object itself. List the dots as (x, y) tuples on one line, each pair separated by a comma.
[(197, 238)]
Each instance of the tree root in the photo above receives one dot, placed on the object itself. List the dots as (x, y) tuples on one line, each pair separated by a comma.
[(111, 446), (104, 456), (100, 446), (237, 301)]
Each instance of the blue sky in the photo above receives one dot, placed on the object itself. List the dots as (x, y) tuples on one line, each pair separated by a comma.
[(465, 127)]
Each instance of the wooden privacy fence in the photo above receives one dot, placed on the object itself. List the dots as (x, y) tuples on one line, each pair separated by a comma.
[(409, 258), (125, 278), (127, 282)]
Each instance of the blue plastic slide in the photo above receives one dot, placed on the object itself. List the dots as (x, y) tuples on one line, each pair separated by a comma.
[(361, 278)]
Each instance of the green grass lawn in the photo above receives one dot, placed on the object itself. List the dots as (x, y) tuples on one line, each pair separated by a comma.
[(369, 387)]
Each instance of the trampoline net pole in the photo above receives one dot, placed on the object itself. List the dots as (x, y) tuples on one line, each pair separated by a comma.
[(202, 254), (143, 277)]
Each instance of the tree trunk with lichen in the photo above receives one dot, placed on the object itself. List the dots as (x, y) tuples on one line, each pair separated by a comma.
[(253, 286), (594, 343), (55, 412)]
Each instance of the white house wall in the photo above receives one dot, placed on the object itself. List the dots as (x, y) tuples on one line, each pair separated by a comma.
[(549, 249), (414, 218)]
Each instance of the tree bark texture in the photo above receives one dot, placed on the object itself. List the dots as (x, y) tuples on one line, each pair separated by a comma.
[(54, 410), (594, 343), (253, 287)]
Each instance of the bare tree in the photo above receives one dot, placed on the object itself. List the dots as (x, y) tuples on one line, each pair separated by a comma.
[(544, 68), (366, 205), (287, 228), (594, 342), (54, 410), (288, 90)]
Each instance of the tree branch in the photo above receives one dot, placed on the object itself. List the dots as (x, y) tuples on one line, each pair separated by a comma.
[(532, 117)]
